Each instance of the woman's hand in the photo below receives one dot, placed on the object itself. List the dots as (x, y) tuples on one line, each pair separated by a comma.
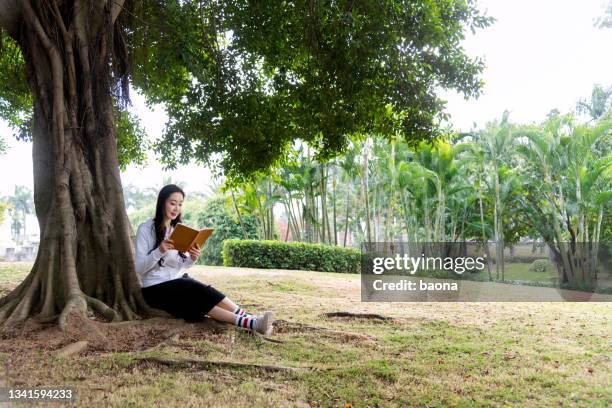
[(166, 245), (194, 252)]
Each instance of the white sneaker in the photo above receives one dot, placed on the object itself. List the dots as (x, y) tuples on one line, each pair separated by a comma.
[(263, 324)]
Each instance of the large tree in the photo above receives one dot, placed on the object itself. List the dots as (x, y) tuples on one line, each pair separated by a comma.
[(240, 82)]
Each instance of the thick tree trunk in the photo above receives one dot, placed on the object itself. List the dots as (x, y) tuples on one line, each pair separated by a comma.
[(85, 258)]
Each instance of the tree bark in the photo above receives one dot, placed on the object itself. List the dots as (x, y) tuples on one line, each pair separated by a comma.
[(85, 258)]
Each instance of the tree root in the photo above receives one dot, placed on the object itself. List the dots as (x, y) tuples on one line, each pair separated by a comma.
[(205, 364), (6, 310), (76, 304), (358, 315), (99, 306), (265, 338), (11, 317), (17, 292), (71, 349), (46, 319), (326, 330), (77, 308)]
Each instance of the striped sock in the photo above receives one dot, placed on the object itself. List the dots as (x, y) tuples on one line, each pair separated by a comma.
[(245, 321), (241, 312)]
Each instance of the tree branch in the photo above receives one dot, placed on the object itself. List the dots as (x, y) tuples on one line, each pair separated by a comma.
[(116, 7), (204, 364), (40, 32)]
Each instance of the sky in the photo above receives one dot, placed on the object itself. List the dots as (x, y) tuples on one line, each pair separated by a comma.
[(539, 55)]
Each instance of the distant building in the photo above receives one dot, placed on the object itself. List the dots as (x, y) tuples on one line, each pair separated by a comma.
[(23, 251)]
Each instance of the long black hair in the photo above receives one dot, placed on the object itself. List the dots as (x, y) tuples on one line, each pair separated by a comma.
[(158, 221)]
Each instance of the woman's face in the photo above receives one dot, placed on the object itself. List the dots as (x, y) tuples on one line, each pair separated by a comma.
[(173, 207)]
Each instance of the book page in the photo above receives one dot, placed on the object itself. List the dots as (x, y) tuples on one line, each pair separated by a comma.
[(183, 237), (203, 235)]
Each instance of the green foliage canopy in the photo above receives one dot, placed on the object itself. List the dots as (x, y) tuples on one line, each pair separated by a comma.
[(15, 97), (242, 80)]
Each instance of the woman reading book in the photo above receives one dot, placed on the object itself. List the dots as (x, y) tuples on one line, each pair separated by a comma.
[(160, 268)]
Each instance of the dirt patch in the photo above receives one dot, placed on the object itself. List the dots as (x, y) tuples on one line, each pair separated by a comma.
[(104, 337)]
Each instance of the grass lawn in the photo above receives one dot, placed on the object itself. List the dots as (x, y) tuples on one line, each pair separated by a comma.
[(11, 274), (427, 355)]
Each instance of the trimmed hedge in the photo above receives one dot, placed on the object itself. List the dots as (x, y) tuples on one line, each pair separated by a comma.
[(290, 255), (539, 265)]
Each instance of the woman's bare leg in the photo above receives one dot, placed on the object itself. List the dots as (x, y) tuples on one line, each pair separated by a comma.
[(227, 304), (221, 314)]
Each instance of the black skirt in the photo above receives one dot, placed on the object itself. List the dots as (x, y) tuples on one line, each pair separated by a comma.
[(185, 298)]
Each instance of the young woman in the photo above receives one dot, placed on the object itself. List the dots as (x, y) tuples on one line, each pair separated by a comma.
[(160, 267)]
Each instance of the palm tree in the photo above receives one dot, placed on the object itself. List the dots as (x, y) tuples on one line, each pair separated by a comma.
[(498, 144), (474, 153), (364, 149), (291, 185), (348, 175), (570, 182)]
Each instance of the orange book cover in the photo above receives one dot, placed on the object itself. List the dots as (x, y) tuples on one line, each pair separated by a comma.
[(185, 237)]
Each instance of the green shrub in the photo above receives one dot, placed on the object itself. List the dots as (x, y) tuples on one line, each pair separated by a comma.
[(539, 265), (216, 215), (292, 255)]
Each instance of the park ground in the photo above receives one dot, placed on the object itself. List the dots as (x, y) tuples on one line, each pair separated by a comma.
[(402, 354)]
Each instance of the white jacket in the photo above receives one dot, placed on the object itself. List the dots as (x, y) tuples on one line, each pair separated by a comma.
[(147, 264)]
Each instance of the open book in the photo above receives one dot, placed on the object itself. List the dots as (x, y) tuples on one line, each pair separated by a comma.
[(185, 237)]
